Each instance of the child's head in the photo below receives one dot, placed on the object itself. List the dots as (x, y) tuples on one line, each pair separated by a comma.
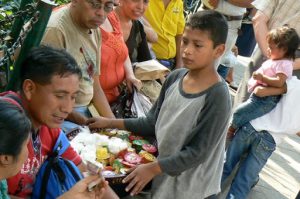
[(203, 40), (14, 132), (211, 22), (283, 42)]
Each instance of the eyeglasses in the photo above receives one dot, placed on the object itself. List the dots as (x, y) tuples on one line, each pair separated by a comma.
[(107, 7)]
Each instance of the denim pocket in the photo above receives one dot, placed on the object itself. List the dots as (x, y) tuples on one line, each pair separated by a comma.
[(244, 133), (265, 147)]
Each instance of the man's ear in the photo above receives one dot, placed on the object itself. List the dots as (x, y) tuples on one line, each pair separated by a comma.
[(6, 160), (219, 50), (29, 88)]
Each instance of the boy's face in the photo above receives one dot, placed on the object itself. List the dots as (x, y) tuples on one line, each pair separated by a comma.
[(50, 104), (197, 50)]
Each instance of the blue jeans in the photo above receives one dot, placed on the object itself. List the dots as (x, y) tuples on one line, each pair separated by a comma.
[(68, 126), (223, 70), (259, 146), (253, 108)]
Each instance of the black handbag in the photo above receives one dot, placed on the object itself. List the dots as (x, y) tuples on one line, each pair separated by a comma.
[(122, 106)]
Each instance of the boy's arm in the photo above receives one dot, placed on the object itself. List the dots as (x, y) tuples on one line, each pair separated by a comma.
[(206, 136), (261, 91)]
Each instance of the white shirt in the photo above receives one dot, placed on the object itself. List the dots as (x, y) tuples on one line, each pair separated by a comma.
[(284, 119)]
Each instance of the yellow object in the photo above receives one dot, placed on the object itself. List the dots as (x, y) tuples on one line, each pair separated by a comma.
[(167, 23), (102, 153)]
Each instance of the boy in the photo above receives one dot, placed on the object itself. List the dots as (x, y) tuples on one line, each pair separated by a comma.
[(191, 150)]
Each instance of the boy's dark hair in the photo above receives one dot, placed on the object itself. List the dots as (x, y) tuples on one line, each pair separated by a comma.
[(43, 62), (286, 38), (14, 128), (211, 21)]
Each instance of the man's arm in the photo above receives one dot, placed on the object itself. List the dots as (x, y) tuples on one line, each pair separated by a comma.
[(179, 63), (260, 26), (100, 101), (261, 91)]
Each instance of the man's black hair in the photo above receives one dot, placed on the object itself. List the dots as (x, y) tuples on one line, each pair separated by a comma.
[(43, 62)]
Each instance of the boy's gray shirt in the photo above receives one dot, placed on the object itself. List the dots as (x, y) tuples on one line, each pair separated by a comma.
[(190, 131)]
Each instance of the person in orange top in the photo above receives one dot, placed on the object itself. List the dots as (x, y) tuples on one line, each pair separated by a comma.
[(115, 63)]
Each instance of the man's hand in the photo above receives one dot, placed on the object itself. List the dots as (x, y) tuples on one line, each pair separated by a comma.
[(140, 176), (76, 118)]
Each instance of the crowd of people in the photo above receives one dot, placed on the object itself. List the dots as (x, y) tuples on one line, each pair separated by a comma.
[(86, 58)]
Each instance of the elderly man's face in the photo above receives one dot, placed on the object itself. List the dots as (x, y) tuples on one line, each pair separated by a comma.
[(90, 14)]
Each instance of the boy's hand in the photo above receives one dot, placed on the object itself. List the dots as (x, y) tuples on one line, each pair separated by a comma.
[(257, 76), (98, 122), (140, 176)]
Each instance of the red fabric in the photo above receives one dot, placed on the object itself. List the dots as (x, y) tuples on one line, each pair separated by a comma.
[(113, 55), (21, 184)]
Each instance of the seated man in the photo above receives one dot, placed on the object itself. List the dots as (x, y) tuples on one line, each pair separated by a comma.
[(50, 82), (75, 27), (258, 138)]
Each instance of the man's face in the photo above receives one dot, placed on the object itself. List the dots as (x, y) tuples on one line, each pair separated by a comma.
[(50, 104), (90, 14)]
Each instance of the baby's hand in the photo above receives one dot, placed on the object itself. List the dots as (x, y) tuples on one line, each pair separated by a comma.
[(257, 76)]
